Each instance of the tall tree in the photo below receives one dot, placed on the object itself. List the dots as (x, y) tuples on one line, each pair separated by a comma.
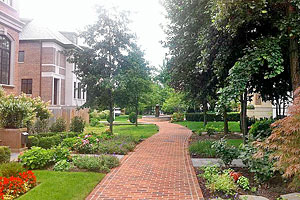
[(109, 40), (134, 81)]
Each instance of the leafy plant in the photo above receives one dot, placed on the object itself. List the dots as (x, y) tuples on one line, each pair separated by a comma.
[(59, 126), (132, 117), (261, 129), (243, 182), (225, 152), (77, 125), (62, 166), (70, 142), (98, 164), (4, 154), (61, 153), (203, 149), (36, 158), (177, 117), (210, 131), (263, 168), (11, 169)]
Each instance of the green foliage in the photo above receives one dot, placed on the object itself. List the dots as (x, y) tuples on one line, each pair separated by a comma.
[(77, 125), (59, 126), (39, 126), (33, 141), (94, 122), (177, 117), (175, 103), (4, 154), (210, 130), (98, 164), (203, 149), (263, 168), (11, 169), (61, 153), (216, 180), (62, 166), (36, 158), (225, 152), (132, 117), (243, 182), (211, 117), (69, 142), (49, 142), (261, 129)]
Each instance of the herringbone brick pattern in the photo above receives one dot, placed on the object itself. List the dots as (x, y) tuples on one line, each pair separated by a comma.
[(159, 168)]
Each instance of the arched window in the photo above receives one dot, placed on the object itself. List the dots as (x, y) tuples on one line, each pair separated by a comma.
[(5, 47)]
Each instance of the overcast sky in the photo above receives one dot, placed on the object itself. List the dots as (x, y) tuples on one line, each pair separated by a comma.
[(74, 15)]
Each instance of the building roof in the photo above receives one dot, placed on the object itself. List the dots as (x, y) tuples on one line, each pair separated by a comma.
[(34, 31)]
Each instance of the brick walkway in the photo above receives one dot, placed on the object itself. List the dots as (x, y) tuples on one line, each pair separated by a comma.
[(159, 168)]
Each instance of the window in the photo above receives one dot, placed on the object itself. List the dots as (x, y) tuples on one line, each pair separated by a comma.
[(21, 56), (74, 90), (26, 86), (4, 60), (79, 91)]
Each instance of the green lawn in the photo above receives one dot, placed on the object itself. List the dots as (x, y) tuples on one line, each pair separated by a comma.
[(199, 126), (142, 131), (235, 142), (124, 118), (63, 185)]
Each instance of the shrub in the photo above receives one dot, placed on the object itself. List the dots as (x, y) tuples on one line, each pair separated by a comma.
[(132, 117), (59, 126), (108, 119), (210, 131), (211, 117), (33, 141), (243, 182), (11, 169), (77, 125), (95, 122), (69, 143), (61, 153), (261, 129), (216, 180), (98, 164), (36, 158), (47, 142), (177, 117), (225, 152), (203, 149), (4, 154), (62, 166), (40, 126), (262, 167)]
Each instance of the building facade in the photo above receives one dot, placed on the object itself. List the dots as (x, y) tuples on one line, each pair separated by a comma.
[(44, 69), (10, 28)]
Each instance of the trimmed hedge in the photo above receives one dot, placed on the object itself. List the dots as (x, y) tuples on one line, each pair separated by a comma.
[(211, 117), (49, 140)]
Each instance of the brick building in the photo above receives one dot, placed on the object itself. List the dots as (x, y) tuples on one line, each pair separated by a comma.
[(44, 69), (10, 27)]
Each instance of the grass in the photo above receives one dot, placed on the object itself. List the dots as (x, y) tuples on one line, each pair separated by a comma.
[(124, 118), (204, 149), (219, 126), (141, 131), (63, 185)]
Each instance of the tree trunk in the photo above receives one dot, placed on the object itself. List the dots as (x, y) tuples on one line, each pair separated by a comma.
[(226, 130), (136, 112), (294, 53), (244, 124), (111, 110), (205, 113)]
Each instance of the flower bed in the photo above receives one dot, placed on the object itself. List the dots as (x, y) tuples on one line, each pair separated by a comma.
[(13, 187)]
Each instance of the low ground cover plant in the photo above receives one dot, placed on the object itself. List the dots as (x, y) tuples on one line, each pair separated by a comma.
[(203, 149), (226, 152), (101, 163)]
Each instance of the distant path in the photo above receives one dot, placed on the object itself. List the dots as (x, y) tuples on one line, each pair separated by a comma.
[(159, 168)]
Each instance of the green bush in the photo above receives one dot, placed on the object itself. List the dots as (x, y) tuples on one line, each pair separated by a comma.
[(177, 117), (36, 158), (98, 164), (226, 152), (219, 181), (132, 117), (94, 122), (62, 166), (33, 141), (263, 168), (203, 149), (40, 126), (211, 117), (243, 182), (61, 153), (77, 125), (11, 169), (59, 126), (108, 119), (69, 143), (48, 142), (261, 129), (4, 154)]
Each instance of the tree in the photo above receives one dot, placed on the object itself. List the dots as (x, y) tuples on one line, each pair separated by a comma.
[(134, 81), (109, 40), (175, 103)]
